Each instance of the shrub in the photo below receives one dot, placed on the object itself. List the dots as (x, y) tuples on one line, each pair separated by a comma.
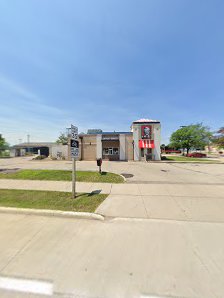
[(4, 153), (163, 157)]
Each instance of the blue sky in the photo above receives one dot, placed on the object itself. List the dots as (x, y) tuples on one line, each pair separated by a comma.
[(103, 64)]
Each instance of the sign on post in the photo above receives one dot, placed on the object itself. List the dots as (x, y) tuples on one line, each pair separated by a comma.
[(74, 146), (74, 132), (74, 149)]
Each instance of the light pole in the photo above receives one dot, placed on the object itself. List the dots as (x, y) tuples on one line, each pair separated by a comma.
[(28, 142)]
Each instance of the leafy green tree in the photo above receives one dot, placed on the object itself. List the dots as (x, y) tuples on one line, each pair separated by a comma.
[(163, 147), (3, 144), (62, 139), (219, 138), (191, 137)]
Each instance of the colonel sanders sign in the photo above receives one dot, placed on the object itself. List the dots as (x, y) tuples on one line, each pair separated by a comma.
[(146, 132)]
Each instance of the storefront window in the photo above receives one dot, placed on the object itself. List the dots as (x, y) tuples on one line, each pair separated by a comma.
[(110, 151), (105, 151), (115, 151)]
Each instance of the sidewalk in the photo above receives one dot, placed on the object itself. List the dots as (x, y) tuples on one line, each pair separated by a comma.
[(163, 201), (54, 185)]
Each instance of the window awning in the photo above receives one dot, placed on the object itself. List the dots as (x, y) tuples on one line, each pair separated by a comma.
[(146, 144)]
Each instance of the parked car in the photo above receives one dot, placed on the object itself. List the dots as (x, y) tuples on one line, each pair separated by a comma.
[(169, 151), (196, 154)]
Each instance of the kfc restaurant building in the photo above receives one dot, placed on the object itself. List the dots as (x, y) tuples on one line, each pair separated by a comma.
[(143, 140), (146, 139)]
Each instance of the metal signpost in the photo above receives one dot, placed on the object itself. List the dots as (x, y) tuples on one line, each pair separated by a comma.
[(74, 145)]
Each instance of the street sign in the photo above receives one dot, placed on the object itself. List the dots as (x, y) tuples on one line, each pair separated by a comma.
[(74, 144), (74, 152), (74, 128), (74, 136), (74, 132)]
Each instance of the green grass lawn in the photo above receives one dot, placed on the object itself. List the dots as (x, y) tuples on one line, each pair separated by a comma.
[(60, 175), (188, 159), (51, 200)]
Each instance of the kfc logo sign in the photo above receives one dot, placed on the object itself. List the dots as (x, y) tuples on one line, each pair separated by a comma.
[(146, 131)]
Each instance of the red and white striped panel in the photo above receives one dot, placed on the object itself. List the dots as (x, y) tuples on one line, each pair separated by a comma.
[(146, 144)]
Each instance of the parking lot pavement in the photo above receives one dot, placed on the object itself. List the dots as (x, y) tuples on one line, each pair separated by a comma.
[(142, 172), (115, 258)]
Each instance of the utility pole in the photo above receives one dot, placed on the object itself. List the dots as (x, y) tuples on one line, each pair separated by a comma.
[(28, 141)]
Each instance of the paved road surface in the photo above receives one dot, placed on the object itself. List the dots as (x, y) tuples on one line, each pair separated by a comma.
[(118, 258)]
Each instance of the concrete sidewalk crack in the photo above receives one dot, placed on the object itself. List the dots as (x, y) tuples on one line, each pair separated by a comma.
[(178, 205), (142, 198)]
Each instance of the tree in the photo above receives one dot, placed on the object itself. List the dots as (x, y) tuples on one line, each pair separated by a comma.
[(219, 138), (221, 130), (191, 137), (3, 144), (163, 147), (62, 139)]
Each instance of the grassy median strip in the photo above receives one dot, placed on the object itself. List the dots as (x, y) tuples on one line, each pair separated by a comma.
[(188, 159), (60, 175), (52, 200)]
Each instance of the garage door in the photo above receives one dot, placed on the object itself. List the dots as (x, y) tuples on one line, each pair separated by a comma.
[(89, 152)]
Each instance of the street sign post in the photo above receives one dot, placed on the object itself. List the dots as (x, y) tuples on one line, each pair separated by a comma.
[(74, 146)]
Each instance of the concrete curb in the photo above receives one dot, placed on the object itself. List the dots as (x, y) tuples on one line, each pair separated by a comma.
[(125, 180), (55, 213)]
